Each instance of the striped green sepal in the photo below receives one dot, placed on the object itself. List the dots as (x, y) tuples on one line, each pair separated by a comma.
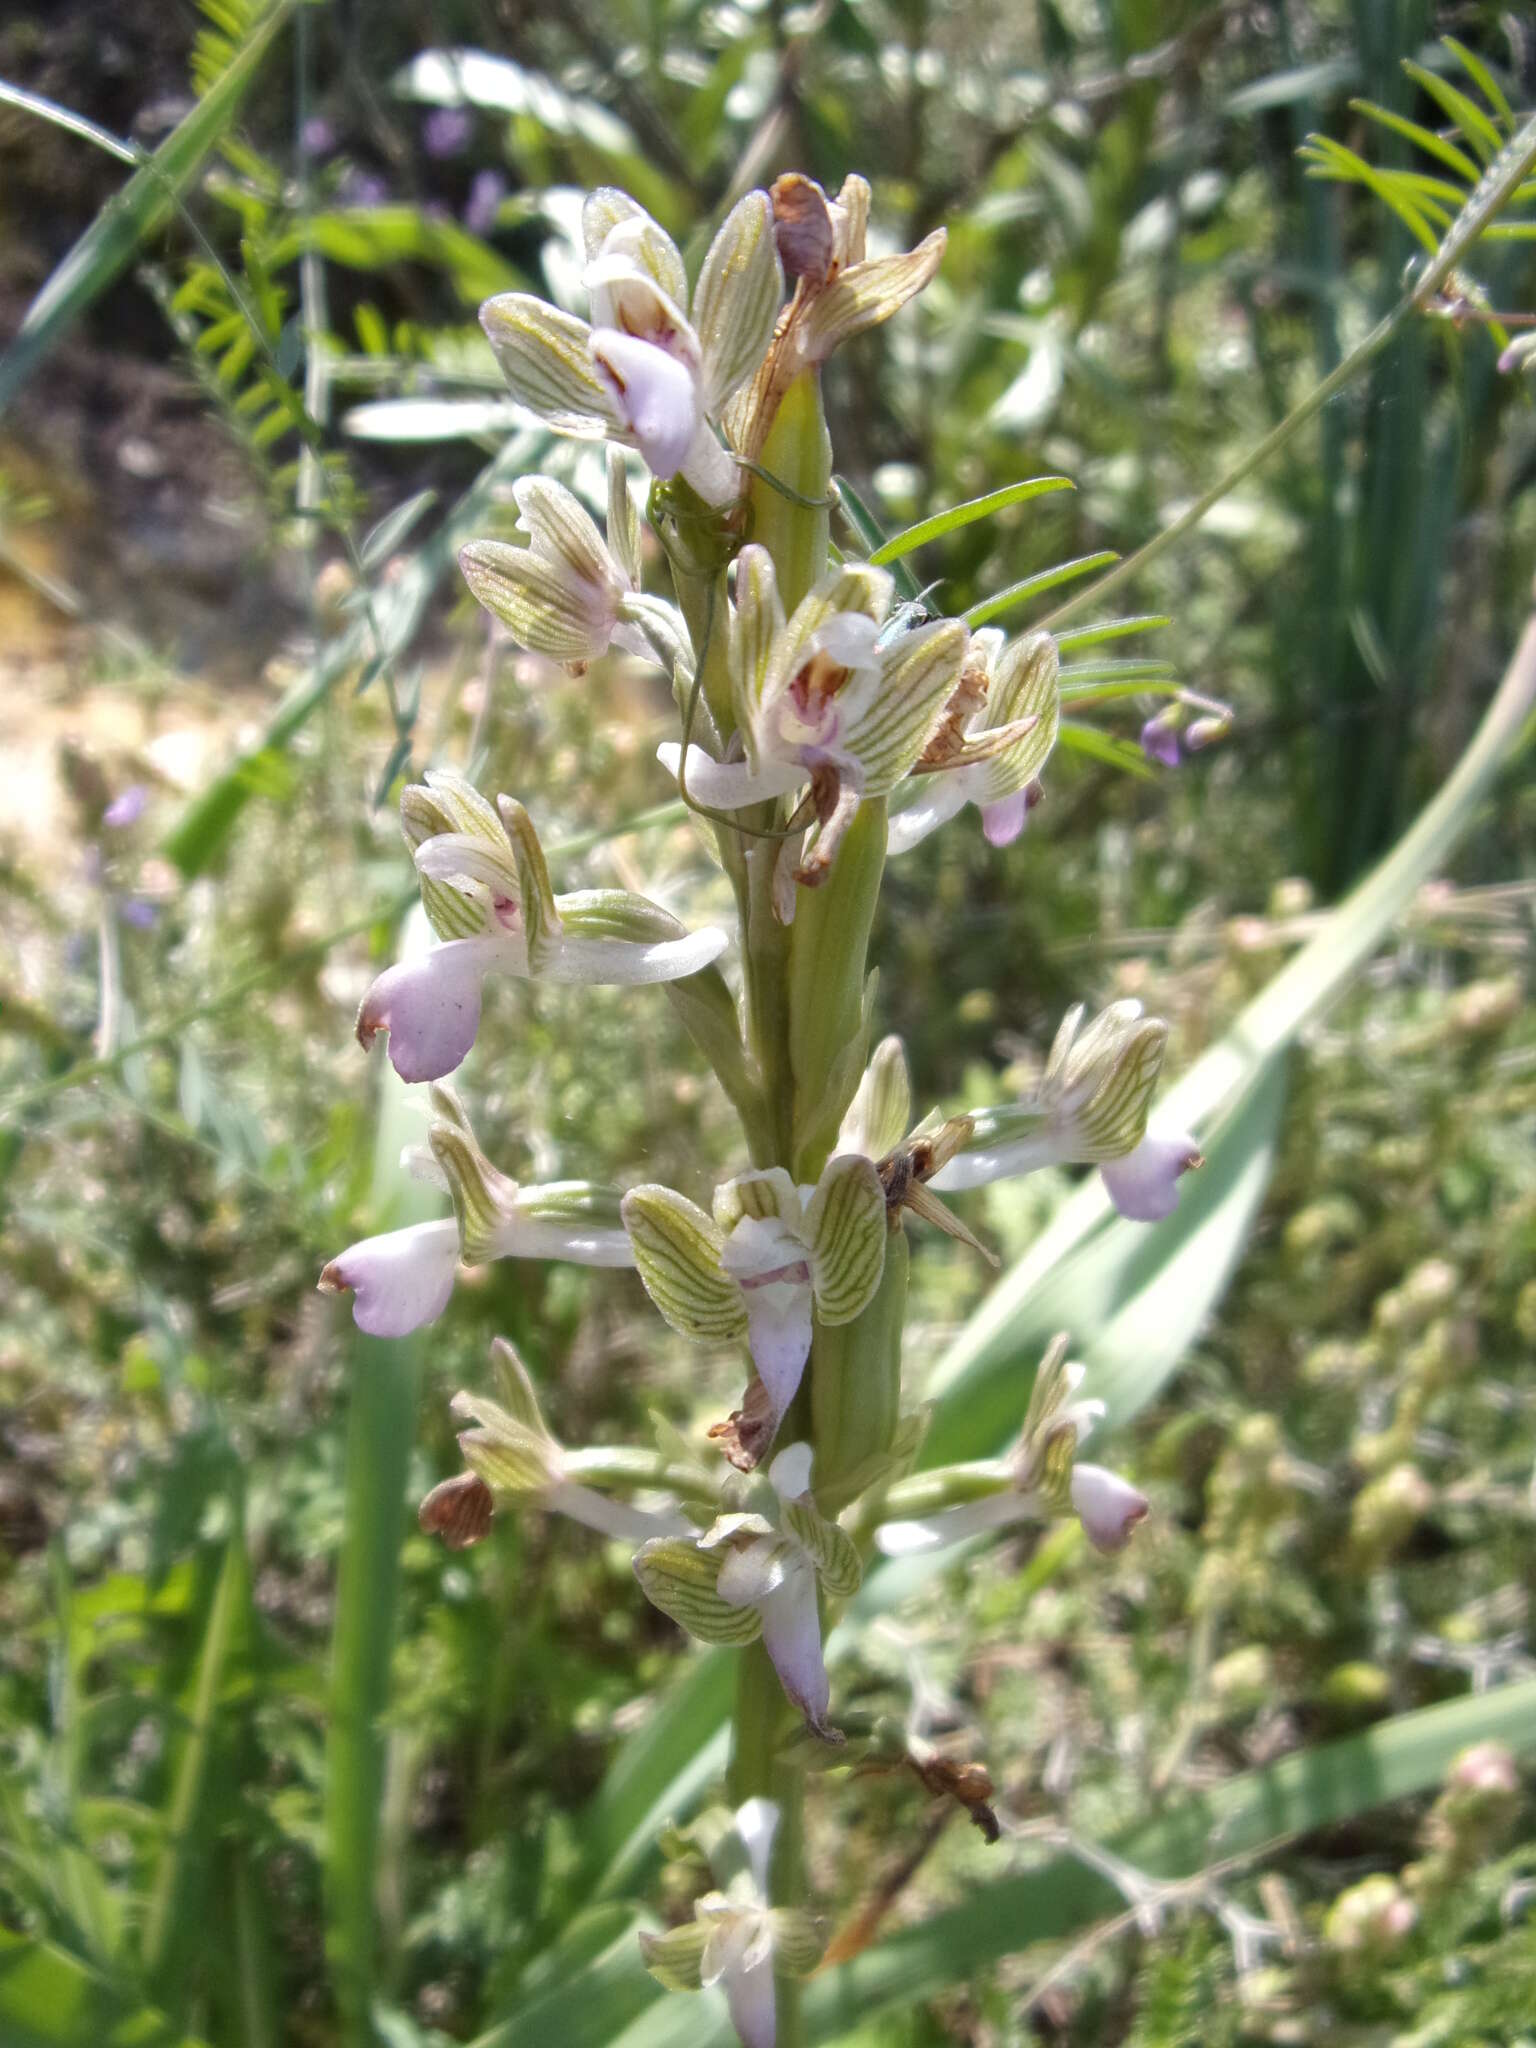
[(544, 356), (548, 612), (866, 294), (679, 1578), (798, 1939), (760, 1195), (651, 247), (918, 677), (447, 803), (855, 587), (535, 893), (484, 1199), (831, 1549), (736, 300), (623, 517), (616, 914), (1027, 686), (757, 625), (877, 1118), (1113, 1121), (845, 1229), (575, 1204), (518, 1393), (509, 1455), (676, 1958), (677, 1249)]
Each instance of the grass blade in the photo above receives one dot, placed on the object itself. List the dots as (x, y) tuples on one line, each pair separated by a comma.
[(50, 1999), (962, 515), (128, 219)]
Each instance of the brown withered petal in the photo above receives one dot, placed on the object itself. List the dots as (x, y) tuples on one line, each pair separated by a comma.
[(802, 228), (748, 1431), (459, 1510)]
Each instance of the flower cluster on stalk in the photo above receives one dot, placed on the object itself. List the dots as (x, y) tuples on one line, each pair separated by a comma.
[(815, 707)]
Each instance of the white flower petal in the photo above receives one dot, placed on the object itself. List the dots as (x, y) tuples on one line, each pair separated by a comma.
[(431, 1007), (998, 1162), (757, 1822), (953, 1525), (630, 962), (1108, 1506), (779, 1336), (753, 1574), (790, 1473), (730, 785), (759, 1244), (792, 1638), (750, 1996), (655, 395), (398, 1281), (944, 797), (608, 1517), (1144, 1185)]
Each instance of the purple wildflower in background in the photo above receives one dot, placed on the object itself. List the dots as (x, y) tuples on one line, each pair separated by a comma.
[(139, 914), (127, 809), (317, 137), (446, 131), (363, 188), (1160, 738), (486, 193)]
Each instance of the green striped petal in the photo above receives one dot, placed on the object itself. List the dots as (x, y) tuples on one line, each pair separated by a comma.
[(447, 803), (918, 676), (484, 1200), (535, 895), (677, 1249), (676, 1958), (855, 587), (679, 1578), (650, 246), (519, 1395), (543, 610), (845, 1229), (1026, 686), (760, 1195), (877, 1118), (736, 301), (616, 914), (866, 294), (543, 355), (1114, 1119), (757, 625), (504, 1451), (831, 1549), (798, 1940)]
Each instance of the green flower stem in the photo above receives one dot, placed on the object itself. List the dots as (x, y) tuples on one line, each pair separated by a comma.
[(759, 1768), (948, 1486), (620, 1466)]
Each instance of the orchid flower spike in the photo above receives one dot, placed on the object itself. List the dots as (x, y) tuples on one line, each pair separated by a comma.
[(404, 1279), (824, 697), (487, 893), (1043, 1478), (737, 1941), (757, 1574), (644, 372), (770, 1254), (511, 1454), (997, 734), (1090, 1109), (570, 594)]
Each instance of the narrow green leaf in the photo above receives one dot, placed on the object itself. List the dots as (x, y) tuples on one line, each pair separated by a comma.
[(135, 213), (1109, 629), (871, 533), (381, 542), (1481, 76), (1033, 586), (1467, 115), (50, 1999), (963, 515), (1426, 139)]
